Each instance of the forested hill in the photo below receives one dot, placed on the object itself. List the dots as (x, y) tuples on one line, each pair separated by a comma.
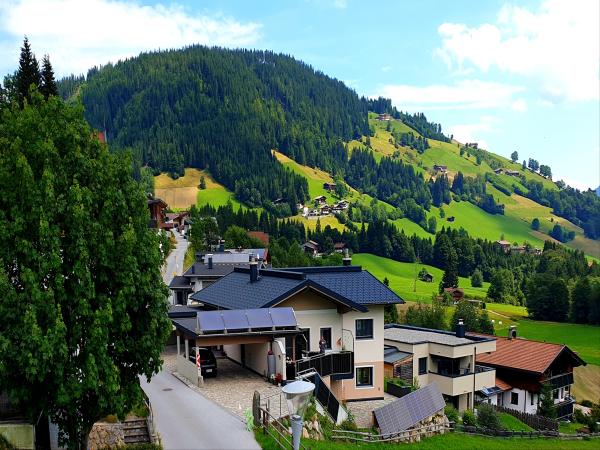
[(225, 110)]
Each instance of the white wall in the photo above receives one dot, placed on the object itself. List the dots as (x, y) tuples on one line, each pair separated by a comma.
[(234, 351), (366, 349), (524, 403), (256, 357), (321, 318)]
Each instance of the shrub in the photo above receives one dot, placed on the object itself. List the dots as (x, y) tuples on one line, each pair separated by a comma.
[(586, 403), (451, 413), (468, 418), (579, 416), (487, 417), (349, 424)]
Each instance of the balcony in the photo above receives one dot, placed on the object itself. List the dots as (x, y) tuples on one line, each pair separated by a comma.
[(461, 382), (564, 409), (338, 365), (561, 380)]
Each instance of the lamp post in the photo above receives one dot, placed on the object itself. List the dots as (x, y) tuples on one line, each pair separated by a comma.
[(297, 395)]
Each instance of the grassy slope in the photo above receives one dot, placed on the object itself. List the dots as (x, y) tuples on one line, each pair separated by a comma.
[(402, 275), (511, 423), (515, 224), (183, 192)]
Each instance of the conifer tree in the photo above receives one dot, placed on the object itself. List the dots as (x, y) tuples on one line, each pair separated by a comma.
[(28, 72), (48, 86)]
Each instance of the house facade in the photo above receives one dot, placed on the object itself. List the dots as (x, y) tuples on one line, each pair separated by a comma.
[(444, 358), (523, 366), (340, 306)]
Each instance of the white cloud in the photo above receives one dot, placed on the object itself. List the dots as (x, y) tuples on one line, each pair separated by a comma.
[(472, 132), (519, 105), (79, 34), (340, 4), (465, 94), (556, 46)]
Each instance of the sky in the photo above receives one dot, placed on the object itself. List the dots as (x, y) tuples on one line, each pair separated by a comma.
[(520, 75)]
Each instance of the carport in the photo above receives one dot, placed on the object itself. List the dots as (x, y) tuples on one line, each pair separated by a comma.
[(235, 330)]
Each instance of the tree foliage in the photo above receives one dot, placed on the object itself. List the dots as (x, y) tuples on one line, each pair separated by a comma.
[(83, 301)]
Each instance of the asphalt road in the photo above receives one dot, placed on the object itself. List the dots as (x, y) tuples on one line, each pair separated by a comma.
[(187, 420), (174, 262)]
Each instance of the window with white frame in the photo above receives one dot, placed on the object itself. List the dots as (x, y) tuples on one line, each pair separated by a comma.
[(364, 377), (364, 329)]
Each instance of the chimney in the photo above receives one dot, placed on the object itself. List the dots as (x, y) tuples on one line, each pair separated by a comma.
[(222, 245), (193, 268), (460, 329), (512, 332), (347, 260), (210, 260), (199, 256), (253, 269)]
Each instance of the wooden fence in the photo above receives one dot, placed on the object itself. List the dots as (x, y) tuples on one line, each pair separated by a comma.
[(523, 434), (534, 421), (403, 436)]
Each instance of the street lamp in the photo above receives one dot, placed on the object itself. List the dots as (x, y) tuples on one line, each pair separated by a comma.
[(297, 396)]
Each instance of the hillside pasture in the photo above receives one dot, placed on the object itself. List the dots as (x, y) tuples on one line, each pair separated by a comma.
[(401, 276), (180, 193)]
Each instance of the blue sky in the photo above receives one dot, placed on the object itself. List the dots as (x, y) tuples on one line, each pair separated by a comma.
[(513, 76)]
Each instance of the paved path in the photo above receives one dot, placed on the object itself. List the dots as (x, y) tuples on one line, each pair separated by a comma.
[(187, 420), (174, 263)]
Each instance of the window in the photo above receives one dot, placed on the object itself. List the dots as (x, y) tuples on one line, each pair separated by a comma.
[(364, 377), (423, 365), (531, 399), (364, 329), (555, 394), (325, 333), (514, 398)]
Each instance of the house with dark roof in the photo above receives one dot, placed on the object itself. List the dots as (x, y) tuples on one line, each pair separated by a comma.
[(207, 269), (340, 318), (157, 207), (444, 358), (524, 366), (440, 168), (457, 293), (311, 247)]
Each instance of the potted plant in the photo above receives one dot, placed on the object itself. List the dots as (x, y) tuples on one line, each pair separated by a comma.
[(278, 379)]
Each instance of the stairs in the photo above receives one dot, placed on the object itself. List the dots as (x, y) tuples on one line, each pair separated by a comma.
[(136, 431)]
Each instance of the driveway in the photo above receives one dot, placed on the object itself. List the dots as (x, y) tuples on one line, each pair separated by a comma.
[(174, 263), (187, 420)]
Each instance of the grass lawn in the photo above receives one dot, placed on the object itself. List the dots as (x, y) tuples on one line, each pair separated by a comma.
[(402, 277), (449, 441), (587, 383), (511, 423), (569, 427), (311, 223)]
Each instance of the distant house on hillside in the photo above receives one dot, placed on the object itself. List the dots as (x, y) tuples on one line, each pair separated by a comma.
[(311, 247), (320, 199), (457, 293), (451, 219), (440, 168), (329, 186), (426, 277), (157, 207), (499, 171), (512, 173), (474, 145), (520, 249), (384, 117), (339, 247), (504, 245)]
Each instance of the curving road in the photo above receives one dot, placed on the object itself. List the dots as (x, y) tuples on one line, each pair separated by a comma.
[(187, 420)]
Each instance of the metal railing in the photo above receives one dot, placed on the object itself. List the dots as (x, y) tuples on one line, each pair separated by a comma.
[(330, 363)]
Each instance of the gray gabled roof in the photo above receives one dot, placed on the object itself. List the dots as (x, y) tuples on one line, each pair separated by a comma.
[(348, 285), (201, 270), (392, 355), (180, 282), (408, 411)]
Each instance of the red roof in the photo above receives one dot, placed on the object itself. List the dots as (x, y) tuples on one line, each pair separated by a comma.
[(524, 354), (101, 137), (503, 384)]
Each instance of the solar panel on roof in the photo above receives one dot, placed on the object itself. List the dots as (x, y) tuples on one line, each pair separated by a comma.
[(259, 318), (235, 319), (407, 411), (283, 317), (210, 321)]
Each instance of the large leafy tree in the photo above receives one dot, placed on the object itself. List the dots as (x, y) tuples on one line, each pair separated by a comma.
[(83, 305)]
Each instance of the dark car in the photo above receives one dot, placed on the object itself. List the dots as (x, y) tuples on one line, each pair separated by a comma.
[(208, 362)]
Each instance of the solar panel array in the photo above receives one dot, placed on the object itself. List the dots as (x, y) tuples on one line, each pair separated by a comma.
[(407, 411), (236, 320)]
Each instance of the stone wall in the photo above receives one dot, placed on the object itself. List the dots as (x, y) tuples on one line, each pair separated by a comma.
[(106, 435)]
